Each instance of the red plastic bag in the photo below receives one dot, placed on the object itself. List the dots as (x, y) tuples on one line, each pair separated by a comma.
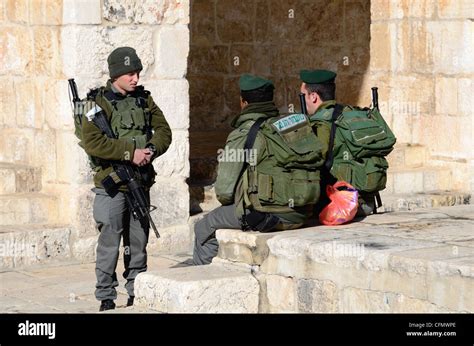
[(343, 205)]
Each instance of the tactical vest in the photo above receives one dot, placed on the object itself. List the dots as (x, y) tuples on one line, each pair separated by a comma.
[(129, 117), (287, 177)]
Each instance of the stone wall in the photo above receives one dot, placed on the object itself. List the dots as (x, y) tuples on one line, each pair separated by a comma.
[(421, 59), (275, 39), (45, 42)]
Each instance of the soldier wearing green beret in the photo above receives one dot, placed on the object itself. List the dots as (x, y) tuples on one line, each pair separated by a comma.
[(319, 89), (256, 101), (142, 134)]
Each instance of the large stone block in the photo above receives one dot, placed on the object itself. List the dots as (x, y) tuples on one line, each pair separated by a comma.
[(20, 247), (16, 144), (171, 196), (243, 247), (317, 296), (234, 20), (46, 51), (465, 89), (355, 300), (17, 11), (46, 12), (446, 89), (202, 22), (421, 54), (241, 58), (84, 249), (146, 12), (209, 60), (81, 12), (176, 239), (452, 48), (19, 178), (203, 105), (7, 102), (281, 293), (28, 208), (209, 289), (44, 154), (175, 162), (57, 107), (17, 53), (29, 103), (84, 49), (172, 48), (455, 9), (172, 96), (71, 161), (381, 46), (357, 23)]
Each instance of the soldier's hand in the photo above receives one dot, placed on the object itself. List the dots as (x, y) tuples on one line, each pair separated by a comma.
[(142, 157)]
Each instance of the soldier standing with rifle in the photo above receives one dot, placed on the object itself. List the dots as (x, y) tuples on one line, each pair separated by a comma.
[(123, 131)]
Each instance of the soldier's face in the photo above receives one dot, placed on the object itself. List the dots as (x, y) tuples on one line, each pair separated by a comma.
[(128, 82), (311, 99)]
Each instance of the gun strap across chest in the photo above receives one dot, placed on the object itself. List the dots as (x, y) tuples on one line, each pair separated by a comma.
[(330, 155)]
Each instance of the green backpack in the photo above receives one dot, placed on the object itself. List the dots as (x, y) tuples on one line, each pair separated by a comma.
[(360, 139), (289, 175)]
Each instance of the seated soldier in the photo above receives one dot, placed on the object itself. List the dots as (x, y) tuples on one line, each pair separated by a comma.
[(232, 187)]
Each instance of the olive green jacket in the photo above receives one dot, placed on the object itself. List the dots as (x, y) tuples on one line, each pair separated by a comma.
[(321, 123), (98, 145)]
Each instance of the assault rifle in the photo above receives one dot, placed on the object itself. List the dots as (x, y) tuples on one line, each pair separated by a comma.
[(303, 104), (123, 173)]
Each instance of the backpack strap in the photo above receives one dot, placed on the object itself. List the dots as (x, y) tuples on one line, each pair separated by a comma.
[(330, 155), (251, 136)]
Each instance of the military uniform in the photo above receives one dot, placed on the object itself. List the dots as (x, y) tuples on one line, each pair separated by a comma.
[(235, 212), (137, 123), (321, 122)]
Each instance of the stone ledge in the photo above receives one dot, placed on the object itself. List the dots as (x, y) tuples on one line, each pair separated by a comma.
[(211, 289)]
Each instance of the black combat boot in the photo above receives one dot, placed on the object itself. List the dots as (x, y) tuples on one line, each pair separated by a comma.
[(130, 300), (107, 304)]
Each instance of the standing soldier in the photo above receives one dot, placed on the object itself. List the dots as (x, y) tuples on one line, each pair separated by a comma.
[(141, 134)]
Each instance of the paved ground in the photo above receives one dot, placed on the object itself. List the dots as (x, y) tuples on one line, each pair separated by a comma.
[(65, 289)]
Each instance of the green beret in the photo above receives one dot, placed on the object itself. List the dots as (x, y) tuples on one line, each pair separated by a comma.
[(250, 82), (317, 76)]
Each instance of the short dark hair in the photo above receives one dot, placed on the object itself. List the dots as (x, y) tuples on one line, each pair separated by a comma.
[(262, 94), (326, 91)]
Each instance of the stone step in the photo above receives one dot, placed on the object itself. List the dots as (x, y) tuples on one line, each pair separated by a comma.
[(414, 180), (202, 197), (432, 199), (407, 156), (19, 178), (28, 208), (214, 288), (30, 245)]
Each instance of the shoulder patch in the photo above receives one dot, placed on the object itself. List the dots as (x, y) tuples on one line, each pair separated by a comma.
[(289, 122)]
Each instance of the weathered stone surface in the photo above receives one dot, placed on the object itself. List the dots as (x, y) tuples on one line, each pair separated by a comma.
[(241, 58), (34, 245), (175, 162), (455, 9), (30, 208), (204, 105), (206, 60), (146, 12), (29, 110), (84, 249), (171, 47), (18, 178), (317, 296), (81, 12), (172, 240), (46, 51), (84, 49), (355, 300), (172, 97), (281, 293), (171, 196), (46, 12), (380, 46), (46, 139), (16, 52), (210, 289), (71, 161), (234, 20), (17, 11), (202, 22)]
